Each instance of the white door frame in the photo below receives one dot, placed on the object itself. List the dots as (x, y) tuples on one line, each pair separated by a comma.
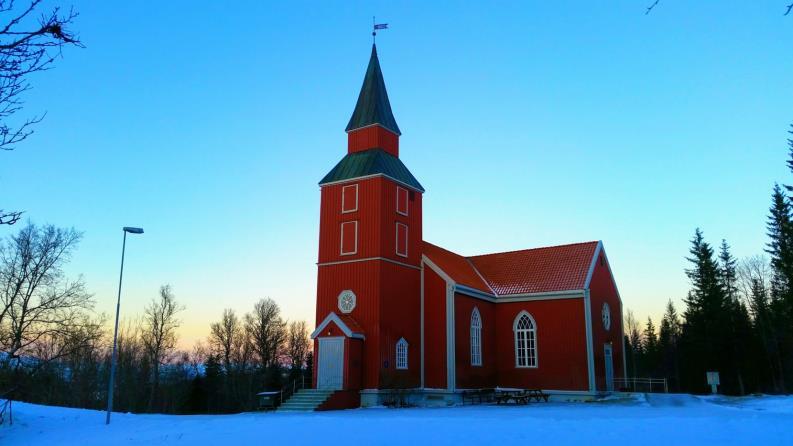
[(339, 339), (608, 365)]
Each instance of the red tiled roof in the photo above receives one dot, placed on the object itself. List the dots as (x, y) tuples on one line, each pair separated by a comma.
[(539, 270), (456, 266)]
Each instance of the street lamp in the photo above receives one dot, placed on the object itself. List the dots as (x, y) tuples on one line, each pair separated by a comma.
[(130, 230)]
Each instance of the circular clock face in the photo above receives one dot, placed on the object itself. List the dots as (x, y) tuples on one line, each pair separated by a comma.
[(346, 301), (606, 315)]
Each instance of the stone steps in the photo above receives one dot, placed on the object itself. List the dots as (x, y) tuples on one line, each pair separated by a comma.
[(305, 400)]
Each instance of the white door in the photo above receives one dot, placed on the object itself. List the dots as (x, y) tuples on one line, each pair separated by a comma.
[(607, 357), (331, 363)]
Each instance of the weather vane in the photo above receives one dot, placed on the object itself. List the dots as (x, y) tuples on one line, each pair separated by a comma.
[(375, 27)]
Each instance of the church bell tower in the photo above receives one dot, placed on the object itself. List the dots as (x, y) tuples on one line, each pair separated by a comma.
[(368, 282)]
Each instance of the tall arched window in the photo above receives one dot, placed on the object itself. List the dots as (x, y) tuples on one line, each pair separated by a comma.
[(476, 337), (525, 340), (402, 354)]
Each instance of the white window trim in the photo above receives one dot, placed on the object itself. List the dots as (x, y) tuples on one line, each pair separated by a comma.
[(341, 245), (401, 343), (515, 335), (343, 211), (396, 238), (407, 201), (476, 356)]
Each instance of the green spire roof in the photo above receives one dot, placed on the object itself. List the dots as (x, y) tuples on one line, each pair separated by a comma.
[(369, 163), (373, 106)]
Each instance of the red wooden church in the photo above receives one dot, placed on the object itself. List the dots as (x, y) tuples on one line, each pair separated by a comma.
[(395, 312)]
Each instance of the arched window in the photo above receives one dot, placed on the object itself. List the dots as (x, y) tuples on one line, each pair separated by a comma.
[(525, 340), (476, 337), (402, 354)]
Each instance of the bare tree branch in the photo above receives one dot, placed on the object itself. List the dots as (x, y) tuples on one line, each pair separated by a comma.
[(650, 8), (27, 45), (789, 7)]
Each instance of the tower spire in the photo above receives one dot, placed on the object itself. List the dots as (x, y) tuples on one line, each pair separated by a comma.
[(373, 107)]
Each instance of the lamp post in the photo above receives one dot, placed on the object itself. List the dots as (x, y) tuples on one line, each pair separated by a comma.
[(130, 230)]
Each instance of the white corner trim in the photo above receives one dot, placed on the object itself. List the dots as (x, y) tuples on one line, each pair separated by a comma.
[(437, 269), (368, 259), (367, 177), (622, 335), (593, 264), (481, 277), (473, 292), (590, 356), (554, 295), (451, 370), (421, 347), (613, 281), (333, 317)]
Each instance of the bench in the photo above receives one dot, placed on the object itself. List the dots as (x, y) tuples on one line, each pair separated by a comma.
[(522, 396), (478, 396)]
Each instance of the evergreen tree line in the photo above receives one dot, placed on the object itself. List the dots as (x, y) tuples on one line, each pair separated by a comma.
[(55, 350), (738, 317)]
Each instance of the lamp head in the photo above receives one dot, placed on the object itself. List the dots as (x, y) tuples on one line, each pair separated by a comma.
[(132, 230)]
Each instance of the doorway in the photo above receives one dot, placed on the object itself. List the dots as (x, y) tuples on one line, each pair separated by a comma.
[(330, 373)]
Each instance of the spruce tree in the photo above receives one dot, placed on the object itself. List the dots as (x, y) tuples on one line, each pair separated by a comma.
[(738, 323), (705, 338), (668, 338), (650, 347), (780, 245)]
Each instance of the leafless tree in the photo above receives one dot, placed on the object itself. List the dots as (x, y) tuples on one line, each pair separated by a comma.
[(37, 301), (159, 334), (297, 344), (30, 41), (224, 337), (267, 331), (754, 272), (633, 332)]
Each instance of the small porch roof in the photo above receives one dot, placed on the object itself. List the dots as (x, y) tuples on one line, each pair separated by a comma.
[(345, 322)]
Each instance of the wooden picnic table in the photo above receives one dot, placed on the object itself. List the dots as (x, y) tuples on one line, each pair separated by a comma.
[(521, 396)]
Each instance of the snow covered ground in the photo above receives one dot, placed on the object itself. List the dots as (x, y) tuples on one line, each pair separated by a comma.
[(657, 419)]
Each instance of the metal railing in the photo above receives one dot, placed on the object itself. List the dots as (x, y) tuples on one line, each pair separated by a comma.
[(292, 387), (645, 385)]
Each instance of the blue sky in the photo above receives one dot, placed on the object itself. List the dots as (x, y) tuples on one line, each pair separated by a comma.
[(529, 124)]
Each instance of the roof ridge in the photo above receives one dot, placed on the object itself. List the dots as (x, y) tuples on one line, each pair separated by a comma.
[(533, 249)]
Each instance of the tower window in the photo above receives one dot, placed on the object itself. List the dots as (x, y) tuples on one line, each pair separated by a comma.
[(349, 198), (402, 354), (402, 201), (402, 239), (349, 238)]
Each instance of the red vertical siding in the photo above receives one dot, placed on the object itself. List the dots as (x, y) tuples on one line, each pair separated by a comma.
[(434, 330), (363, 278), (561, 345), (400, 310), (373, 137), (388, 294), (390, 217), (470, 376), (602, 290)]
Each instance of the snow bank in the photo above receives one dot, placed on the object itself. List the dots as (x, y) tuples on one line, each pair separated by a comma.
[(656, 420)]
